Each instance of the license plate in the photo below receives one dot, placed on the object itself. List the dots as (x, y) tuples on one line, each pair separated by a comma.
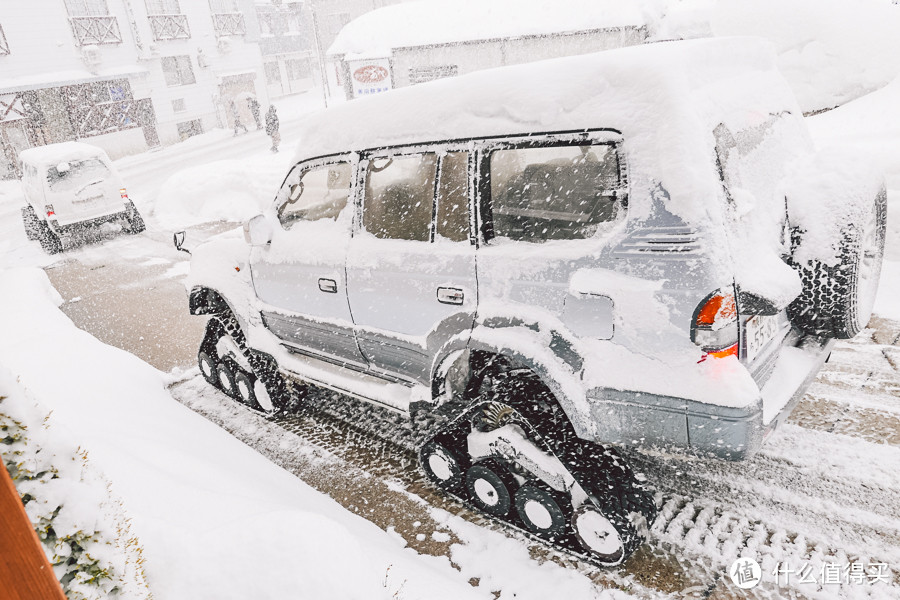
[(758, 332)]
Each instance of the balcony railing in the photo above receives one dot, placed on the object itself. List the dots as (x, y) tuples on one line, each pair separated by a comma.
[(4, 45), (169, 27), (95, 30), (229, 24)]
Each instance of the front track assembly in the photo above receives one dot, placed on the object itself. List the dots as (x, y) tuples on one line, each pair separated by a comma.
[(510, 464)]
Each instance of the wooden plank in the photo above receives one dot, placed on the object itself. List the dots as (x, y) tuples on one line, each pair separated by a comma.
[(25, 572)]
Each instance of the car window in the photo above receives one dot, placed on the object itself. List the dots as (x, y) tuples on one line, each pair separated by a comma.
[(79, 174), (452, 215), (399, 196), (319, 193), (553, 192)]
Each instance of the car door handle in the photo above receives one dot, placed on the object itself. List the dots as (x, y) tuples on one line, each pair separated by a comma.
[(450, 295), (329, 286)]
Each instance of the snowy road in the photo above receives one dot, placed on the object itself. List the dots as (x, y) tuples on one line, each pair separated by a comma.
[(824, 491)]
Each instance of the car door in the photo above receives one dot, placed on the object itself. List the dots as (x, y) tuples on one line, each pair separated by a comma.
[(548, 205), (300, 276), (411, 262)]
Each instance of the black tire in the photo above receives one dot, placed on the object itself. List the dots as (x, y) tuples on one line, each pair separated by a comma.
[(491, 487), (225, 373), (135, 222), (31, 222), (542, 511), (50, 242), (208, 364), (441, 465), (836, 300)]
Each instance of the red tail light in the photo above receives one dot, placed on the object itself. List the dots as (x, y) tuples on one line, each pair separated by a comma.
[(715, 326), (49, 210), (123, 193)]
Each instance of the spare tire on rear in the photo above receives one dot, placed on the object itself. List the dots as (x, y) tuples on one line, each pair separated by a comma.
[(839, 293)]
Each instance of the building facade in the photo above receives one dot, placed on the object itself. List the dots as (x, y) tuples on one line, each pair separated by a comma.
[(285, 40), (126, 75), (415, 42)]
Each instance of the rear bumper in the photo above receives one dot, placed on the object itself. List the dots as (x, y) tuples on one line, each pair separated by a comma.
[(651, 420), (67, 227)]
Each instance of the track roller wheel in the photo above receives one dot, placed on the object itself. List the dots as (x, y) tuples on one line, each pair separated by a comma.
[(243, 386), (225, 375), (208, 364), (441, 465), (491, 487), (541, 510), (598, 535)]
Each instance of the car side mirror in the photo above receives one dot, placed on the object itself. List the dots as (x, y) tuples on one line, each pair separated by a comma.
[(258, 231), (62, 167), (178, 240)]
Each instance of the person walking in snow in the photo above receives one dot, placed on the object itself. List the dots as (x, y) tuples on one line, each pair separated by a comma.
[(237, 119), (253, 105), (272, 128)]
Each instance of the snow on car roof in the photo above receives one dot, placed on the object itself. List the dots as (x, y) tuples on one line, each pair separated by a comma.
[(426, 22), (52, 154), (665, 98)]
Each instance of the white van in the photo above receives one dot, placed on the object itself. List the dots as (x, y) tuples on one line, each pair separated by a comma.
[(70, 186)]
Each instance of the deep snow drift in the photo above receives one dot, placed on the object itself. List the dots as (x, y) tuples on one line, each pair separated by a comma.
[(214, 519)]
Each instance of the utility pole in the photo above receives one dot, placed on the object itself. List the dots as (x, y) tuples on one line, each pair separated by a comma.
[(319, 54)]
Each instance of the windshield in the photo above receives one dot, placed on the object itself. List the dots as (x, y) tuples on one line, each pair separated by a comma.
[(80, 174)]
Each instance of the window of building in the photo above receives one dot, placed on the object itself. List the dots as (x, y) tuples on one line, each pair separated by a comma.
[(553, 192), (178, 105), (273, 73), (188, 129), (399, 197), (430, 73), (163, 7), (87, 8), (223, 6), (297, 69), (320, 193), (177, 70)]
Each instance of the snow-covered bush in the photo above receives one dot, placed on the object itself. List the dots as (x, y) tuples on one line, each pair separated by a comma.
[(85, 532)]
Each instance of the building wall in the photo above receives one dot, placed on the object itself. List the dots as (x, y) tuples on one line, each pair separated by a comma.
[(45, 63), (414, 64)]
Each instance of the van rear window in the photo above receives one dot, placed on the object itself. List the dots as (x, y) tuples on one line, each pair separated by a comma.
[(79, 174), (554, 192)]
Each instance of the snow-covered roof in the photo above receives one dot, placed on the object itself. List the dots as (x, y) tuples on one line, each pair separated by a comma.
[(665, 98), (53, 154), (424, 22)]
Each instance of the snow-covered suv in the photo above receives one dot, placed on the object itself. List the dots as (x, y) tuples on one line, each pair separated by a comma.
[(71, 186), (636, 247)]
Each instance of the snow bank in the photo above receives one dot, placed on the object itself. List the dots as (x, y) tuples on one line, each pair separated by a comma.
[(227, 190), (830, 51), (215, 519), (427, 22), (83, 527)]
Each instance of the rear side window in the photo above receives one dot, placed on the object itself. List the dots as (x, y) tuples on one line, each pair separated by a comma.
[(319, 193), (399, 197), (560, 192), (452, 214)]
